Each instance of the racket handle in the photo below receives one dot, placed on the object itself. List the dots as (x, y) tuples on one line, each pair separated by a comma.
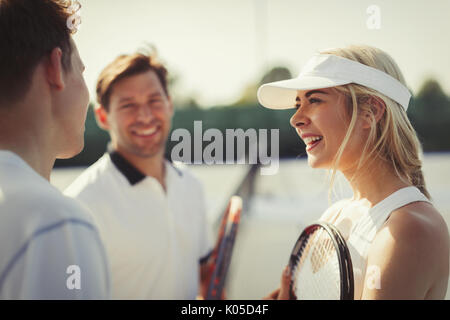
[(223, 257), (227, 260)]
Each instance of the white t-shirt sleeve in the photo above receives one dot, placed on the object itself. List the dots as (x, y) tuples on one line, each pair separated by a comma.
[(65, 260)]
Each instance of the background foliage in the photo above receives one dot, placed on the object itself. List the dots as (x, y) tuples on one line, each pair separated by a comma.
[(429, 112)]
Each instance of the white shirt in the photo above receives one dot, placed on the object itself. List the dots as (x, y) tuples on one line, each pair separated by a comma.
[(154, 239), (49, 248), (359, 223)]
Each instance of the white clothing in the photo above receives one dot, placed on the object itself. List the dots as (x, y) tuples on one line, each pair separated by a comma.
[(359, 224), (42, 234), (154, 239)]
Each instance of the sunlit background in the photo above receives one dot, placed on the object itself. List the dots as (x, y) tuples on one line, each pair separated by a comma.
[(219, 52), (216, 49)]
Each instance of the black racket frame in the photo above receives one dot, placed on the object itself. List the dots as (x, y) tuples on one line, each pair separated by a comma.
[(345, 262)]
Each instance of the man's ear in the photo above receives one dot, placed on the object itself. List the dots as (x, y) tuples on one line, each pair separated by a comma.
[(54, 69), (378, 108), (101, 116)]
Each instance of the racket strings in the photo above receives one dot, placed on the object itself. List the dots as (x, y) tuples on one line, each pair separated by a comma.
[(322, 251), (317, 269)]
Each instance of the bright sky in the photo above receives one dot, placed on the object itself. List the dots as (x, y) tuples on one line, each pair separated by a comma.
[(216, 48)]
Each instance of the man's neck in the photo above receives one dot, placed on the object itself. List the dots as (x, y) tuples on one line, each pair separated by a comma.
[(35, 154), (26, 133)]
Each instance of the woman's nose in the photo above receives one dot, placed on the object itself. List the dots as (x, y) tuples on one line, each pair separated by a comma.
[(299, 118)]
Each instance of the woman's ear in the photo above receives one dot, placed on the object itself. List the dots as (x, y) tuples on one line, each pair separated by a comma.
[(101, 116), (377, 107)]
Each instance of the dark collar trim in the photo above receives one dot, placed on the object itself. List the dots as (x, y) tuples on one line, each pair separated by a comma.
[(132, 174)]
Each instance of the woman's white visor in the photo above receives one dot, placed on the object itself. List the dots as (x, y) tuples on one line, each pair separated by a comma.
[(326, 71)]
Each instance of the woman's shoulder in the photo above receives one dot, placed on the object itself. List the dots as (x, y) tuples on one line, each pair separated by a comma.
[(412, 244), (418, 222), (420, 231)]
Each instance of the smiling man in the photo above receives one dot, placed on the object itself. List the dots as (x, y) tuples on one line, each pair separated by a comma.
[(150, 213)]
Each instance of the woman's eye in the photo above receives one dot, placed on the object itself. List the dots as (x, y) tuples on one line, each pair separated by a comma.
[(314, 100), (128, 106)]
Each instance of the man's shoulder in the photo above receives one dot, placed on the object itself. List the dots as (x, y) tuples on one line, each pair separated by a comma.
[(185, 175), (26, 195), (37, 206), (94, 178), (41, 222)]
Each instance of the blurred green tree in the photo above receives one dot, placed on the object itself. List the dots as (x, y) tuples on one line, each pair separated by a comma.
[(248, 95), (429, 112), (430, 116), (276, 74), (431, 104)]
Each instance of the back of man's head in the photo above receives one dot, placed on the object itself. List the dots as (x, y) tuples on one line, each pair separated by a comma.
[(29, 30)]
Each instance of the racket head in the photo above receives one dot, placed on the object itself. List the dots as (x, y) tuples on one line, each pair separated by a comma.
[(320, 265)]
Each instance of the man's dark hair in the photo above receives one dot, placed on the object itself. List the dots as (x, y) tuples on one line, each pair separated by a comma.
[(126, 66), (30, 30)]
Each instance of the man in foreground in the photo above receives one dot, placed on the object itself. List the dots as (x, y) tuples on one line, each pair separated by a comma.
[(49, 248)]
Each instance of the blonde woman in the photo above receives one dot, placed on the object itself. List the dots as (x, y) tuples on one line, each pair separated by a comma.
[(351, 113)]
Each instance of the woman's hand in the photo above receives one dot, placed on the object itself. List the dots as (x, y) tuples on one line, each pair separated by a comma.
[(284, 292)]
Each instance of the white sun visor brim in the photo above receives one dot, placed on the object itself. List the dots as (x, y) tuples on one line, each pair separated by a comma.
[(281, 94), (326, 71)]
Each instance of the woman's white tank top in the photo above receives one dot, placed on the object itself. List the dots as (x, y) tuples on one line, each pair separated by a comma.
[(359, 224)]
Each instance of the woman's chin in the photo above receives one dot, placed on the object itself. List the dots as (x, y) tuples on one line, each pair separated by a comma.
[(312, 162), (315, 163)]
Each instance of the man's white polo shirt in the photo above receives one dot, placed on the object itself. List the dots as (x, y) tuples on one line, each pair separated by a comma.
[(49, 247), (154, 239)]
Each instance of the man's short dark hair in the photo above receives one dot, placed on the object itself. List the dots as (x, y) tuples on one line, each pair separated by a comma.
[(30, 30), (125, 66)]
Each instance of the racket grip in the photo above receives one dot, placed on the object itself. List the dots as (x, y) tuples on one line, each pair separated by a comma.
[(225, 246), (227, 259)]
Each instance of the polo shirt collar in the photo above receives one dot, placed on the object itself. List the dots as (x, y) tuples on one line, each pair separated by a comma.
[(130, 172), (133, 175)]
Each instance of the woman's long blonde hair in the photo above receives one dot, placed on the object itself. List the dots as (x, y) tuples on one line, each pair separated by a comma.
[(392, 139)]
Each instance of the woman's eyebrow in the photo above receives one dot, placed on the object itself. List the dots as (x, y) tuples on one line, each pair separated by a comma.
[(310, 93), (314, 91)]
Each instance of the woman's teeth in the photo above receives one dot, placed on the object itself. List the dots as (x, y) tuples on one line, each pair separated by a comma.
[(310, 140)]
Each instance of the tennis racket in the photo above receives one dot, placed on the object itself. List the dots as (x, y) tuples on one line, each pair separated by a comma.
[(222, 253), (320, 265)]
